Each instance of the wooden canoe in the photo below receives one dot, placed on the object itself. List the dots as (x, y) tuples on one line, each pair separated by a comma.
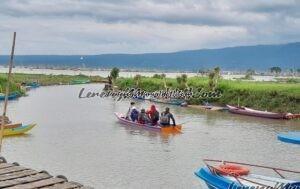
[(256, 113), (170, 129), (210, 107), (177, 102)]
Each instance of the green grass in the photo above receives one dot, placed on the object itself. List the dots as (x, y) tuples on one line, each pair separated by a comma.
[(43, 79), (271, 96), (19, 78)]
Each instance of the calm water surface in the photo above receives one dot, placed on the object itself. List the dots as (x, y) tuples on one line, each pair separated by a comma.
[(81, 139)]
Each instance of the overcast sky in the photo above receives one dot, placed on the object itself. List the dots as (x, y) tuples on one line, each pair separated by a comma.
[(132, 26)]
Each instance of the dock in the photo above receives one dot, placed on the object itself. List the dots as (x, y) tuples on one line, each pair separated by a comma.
[(14, 176)]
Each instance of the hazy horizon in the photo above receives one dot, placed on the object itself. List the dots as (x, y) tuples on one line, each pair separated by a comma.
[(66, 27), (120, 53)]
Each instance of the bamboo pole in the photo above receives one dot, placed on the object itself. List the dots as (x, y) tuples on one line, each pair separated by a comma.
[(7, 88)]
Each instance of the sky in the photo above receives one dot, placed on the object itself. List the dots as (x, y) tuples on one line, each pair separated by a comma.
[(85, 27)]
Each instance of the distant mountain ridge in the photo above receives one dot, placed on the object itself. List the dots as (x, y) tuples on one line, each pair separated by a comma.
[(259, 57)]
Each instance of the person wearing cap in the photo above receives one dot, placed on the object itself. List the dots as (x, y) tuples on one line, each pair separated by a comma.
[(132, 113)]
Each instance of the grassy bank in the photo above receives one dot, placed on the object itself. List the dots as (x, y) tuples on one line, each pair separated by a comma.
[(44, 80), (14, 87), (271, 96)]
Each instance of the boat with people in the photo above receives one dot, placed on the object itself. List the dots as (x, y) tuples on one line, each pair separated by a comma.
[(289, 137), (170, 129), (257, 113), (11, 96), (218, 174)]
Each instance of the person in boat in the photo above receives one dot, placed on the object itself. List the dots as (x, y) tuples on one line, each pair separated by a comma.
[(143, 117), (153, 115), (132, 113), (165, 118)]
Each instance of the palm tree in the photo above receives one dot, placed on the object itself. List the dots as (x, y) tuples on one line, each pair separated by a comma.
[(114, 74), (179, 80), (184, 78), (276, 70), (182, 81), (163, 76), (214, 77), (137, 78)]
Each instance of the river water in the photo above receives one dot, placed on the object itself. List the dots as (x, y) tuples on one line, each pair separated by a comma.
[(81, 139)]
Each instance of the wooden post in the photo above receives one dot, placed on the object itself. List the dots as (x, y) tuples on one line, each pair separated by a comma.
[(7, 88)]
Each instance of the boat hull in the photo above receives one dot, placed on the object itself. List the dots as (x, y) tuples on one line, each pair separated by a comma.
[(12, 96), (171, 102), (255, 113), (218, 181), (170, 129), (290, 137), (76, 82), (18, 130)]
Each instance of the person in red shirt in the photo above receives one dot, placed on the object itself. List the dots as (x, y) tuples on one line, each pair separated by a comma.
[(153, 114)]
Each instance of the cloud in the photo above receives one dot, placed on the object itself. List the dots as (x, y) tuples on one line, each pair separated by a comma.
[(128, 26)]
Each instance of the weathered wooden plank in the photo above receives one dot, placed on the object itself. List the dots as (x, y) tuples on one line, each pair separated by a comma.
[(17, 174), (86, 187), (11, 169), (5, 165), (39, 184), (66, 185), (13, 176), (24, 180)]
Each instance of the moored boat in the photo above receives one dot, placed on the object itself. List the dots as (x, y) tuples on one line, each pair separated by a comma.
[(219, 174), (170, 129), (209, 107), (80, 81), (177, 102), (11, 96), (256, 113), (290, 137), (33, 85), (17, 129)]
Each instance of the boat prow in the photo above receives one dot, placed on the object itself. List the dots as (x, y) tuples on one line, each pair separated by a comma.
[(18, 130), (239, 175), (290, 137)]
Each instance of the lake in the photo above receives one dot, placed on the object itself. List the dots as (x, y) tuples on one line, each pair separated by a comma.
[(81, 139)]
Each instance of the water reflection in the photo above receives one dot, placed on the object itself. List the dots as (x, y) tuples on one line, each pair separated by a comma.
[(81, 138)]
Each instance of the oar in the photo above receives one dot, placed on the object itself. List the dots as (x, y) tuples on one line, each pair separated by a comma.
[(186, 122)]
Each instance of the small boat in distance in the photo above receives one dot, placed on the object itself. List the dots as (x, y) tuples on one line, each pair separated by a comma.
[(290, 137), (256, 113), (219, 174), (170, 129), (177, 102), (33, 85), (79, 81)]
